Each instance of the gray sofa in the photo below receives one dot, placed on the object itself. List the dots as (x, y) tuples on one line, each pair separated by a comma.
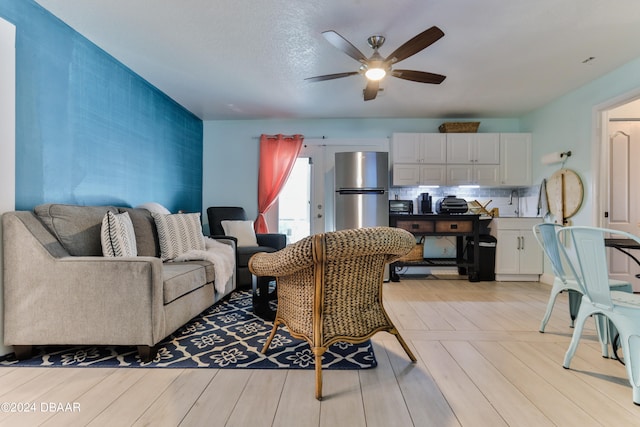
[(60, 290)]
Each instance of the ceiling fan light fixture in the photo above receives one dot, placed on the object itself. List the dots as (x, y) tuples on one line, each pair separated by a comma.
[(375, 74), (376, 67)]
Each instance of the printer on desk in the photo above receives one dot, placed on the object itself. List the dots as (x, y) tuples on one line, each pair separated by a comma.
[(451, 205)]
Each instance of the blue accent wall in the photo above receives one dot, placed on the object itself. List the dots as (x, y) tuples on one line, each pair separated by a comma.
[(91, 131)]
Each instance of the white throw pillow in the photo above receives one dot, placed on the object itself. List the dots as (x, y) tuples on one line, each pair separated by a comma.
[(241, 230), (178, 233), (117, 235)]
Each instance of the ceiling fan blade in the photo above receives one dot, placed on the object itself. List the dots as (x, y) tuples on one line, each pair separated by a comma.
[(415, 45), (331, 76), (419, 76), (371, 91), (344, 45)]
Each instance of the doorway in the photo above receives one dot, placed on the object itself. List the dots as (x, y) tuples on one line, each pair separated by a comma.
[(294, 200), (620, 207), (301, 201)]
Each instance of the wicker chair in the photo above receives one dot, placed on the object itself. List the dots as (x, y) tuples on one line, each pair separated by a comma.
[(330, 287)]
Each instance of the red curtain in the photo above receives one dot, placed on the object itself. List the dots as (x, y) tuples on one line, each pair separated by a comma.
[(278, 154)]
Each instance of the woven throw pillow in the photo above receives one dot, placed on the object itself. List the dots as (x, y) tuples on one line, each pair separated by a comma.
[(117, 235), (178, 233), (241, 230)]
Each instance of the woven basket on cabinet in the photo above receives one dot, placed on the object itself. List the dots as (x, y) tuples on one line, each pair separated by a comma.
[(459, 127)]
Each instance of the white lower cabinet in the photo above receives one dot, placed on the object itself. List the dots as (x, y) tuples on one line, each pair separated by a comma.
[(518, 255)]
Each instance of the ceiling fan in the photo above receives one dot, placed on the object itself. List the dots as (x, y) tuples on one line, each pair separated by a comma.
[(376, 67)]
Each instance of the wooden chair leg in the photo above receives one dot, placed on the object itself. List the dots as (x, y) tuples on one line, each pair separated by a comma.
[(404, 345), (319, 351), (271, 335)]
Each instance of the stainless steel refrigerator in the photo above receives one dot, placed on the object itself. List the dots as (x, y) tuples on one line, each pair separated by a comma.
[(362, 187)]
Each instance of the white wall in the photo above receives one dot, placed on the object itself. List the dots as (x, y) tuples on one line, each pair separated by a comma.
[(230, 152), (569, 123), (7, 138)]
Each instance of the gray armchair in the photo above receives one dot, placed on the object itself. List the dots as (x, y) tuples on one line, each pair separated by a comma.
[(269, 242)]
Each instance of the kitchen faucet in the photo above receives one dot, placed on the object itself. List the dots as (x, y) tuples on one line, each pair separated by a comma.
[(515, 193)]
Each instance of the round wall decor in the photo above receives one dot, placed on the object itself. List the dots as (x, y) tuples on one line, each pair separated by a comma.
[(564, 193)]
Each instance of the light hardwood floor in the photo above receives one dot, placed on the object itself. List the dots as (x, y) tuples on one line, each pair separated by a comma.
[(481, 362)]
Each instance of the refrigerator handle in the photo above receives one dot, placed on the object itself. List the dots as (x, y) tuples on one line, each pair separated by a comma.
[(361, 191)]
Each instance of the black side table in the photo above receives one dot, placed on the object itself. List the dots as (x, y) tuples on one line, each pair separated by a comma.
[(262, 296)]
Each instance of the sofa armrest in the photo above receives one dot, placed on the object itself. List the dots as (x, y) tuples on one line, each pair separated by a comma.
[(224, 238), (272, 240), (51, 299), (85, 300)]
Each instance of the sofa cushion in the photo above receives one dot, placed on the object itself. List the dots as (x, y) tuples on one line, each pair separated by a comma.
[(181, 278), (178, 233), (117, 236), (144, 226), (208, 269), (77, 228)]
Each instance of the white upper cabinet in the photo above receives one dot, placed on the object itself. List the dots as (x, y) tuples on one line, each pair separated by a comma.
[(487, 159), (410, 174), (460, 174), (515, 153), (473, 148), (430, 148)]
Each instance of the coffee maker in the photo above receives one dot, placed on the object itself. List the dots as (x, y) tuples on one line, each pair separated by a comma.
[(426, 205)]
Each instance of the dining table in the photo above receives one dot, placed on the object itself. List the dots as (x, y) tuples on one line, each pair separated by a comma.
[(625, 246)]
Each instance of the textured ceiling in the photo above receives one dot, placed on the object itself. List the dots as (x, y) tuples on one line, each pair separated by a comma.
[(247, 59)]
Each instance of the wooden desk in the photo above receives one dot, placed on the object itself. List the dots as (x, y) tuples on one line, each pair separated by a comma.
[(460, 225)]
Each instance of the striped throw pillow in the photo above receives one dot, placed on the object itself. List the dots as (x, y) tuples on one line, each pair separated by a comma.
[(178, 233), (117, 235)]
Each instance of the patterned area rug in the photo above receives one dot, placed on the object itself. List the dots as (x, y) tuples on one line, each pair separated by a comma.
[(228, 335)]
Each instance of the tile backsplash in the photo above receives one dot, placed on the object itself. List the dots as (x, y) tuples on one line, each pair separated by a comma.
[(511, 202)]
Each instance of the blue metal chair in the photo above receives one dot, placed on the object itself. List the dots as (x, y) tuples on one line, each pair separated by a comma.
[(545, 234), (588, 261)]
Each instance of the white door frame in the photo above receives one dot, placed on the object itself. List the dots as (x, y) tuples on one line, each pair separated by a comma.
[(7, 138), (316, 206), (600, 153)]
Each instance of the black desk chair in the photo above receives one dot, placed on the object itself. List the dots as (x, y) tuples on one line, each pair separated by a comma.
[(269, 242)]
